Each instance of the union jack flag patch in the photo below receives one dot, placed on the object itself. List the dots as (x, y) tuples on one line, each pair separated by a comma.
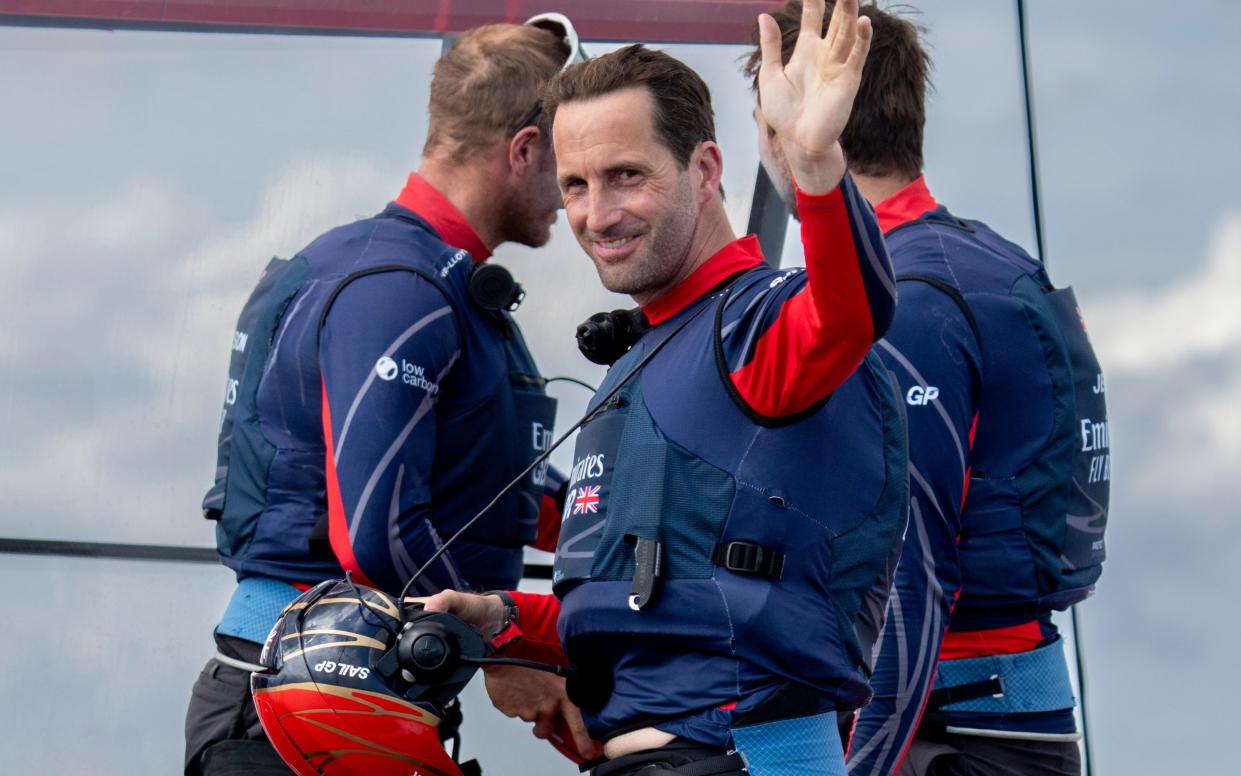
[(587, 500)]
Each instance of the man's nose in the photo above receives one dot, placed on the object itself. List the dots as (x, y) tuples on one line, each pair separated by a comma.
[(602, 212)]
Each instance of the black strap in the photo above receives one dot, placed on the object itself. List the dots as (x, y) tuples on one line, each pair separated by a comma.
[(654, 762), (340, 286), (952, 294), (934, 219), (715, 766), (946, 696), (319, 542), (747, 558)]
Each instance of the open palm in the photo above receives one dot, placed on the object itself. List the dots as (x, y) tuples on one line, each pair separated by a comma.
[(808, 100)]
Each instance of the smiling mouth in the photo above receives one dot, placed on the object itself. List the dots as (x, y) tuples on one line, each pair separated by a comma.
[(617, 249)]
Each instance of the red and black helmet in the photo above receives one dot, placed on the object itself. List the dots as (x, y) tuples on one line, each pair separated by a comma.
[(353, 688)]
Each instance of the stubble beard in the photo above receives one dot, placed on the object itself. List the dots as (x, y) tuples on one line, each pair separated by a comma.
[(657, 265), (524, 224)]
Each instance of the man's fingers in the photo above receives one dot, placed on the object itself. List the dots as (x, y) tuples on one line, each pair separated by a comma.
[(440, 602), (812, 19), (861, 46), (833, 24), (544, 725), (482, 612), (581, 739), (844, 34), (769, 44)]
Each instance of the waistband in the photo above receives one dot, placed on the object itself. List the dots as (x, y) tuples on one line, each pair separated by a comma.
[(793, 747), (681, 756), (1034, 681), (254, 608)]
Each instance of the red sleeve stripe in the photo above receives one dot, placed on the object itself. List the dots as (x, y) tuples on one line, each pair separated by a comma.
[(337, 522)]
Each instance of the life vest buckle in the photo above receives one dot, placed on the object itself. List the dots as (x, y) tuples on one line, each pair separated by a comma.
[(747, 558), (647, 569)]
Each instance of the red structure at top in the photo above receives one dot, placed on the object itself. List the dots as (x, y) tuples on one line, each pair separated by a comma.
[(689, 21)]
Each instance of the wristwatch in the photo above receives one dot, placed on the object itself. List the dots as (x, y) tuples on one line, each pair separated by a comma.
[(508, 632)]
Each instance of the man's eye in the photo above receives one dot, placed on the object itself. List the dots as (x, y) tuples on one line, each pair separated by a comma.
[(628, 176)]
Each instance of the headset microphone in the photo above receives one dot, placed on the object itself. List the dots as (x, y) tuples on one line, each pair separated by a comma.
[(605, 337), (492, 288)]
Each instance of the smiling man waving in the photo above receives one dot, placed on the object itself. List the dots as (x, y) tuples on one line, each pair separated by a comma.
[(726, 522)]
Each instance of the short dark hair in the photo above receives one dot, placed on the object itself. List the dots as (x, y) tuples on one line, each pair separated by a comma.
[(884, 133), (485, 83), (683, 115)]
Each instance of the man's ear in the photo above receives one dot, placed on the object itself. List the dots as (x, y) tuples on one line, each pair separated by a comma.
[(525, 150), (707, 166)]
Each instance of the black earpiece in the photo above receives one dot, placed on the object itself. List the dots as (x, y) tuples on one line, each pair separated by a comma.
[(492, 288), (433, 656), (428, 650), (605, 337)]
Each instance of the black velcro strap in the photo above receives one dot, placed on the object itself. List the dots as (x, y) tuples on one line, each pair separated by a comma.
[(746, 558), (319, 543), (714, 766), (946, 696), (655, 762)]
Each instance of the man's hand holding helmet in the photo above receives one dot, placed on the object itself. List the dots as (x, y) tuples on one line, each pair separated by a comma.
[(485, 613), (532, 696)]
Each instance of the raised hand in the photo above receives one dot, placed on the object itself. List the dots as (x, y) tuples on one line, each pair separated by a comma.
[(807, 101)]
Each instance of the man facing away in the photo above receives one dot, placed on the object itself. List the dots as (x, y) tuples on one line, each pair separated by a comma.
[(738, 488), (380, 393), (1008, 458)]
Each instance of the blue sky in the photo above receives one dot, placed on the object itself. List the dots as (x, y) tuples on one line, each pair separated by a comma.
[(146, 178)]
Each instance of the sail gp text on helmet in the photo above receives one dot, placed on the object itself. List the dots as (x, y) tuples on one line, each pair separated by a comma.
[(411, 374)]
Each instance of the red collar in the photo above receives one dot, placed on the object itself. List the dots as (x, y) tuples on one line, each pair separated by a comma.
[(425, 200), (738, 256), (905, 205)]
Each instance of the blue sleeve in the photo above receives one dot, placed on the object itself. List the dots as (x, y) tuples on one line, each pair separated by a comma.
[(387, 344), (935, 356)]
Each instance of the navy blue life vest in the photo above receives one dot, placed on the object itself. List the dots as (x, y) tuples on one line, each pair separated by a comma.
[(1034, 519), (243, 454), (269, 491), (682, 499)]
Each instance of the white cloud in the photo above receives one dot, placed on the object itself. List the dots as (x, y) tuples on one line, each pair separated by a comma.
[(305, 198), (1173, 360), (8, 236), (1197, 315), (118, 365), (142, 212), (1177, 447)]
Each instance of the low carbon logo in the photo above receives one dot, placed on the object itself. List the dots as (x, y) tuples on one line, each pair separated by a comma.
[(386, 368)]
